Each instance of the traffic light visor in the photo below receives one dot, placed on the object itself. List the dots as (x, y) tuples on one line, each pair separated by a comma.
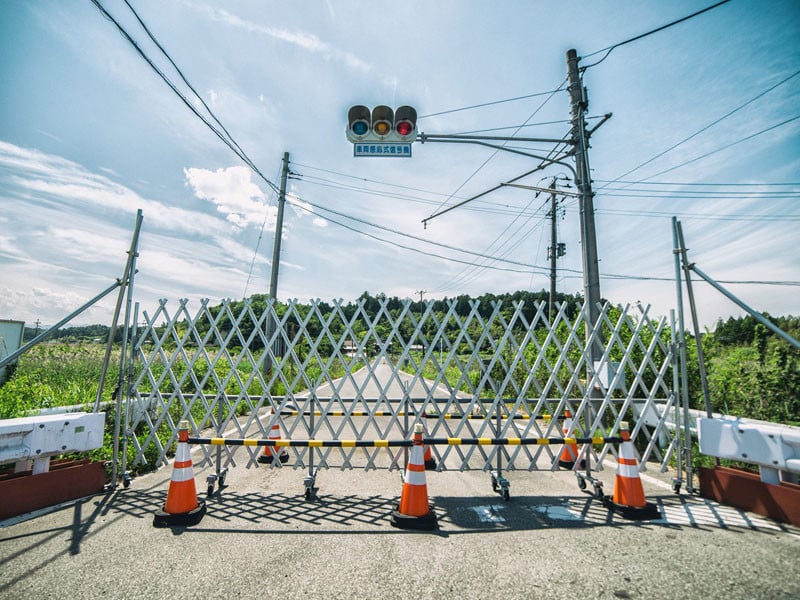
[(405, 121), (358, 120), (382, 120)]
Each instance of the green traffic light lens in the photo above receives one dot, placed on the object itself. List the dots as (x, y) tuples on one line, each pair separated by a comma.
[(360, 128)]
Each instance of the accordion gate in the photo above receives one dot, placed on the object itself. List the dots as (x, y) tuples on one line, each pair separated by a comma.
[(372, 370)]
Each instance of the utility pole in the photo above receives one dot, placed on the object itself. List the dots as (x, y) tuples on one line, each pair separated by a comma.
[(420, 292), (276, 257), (579, 104), (276, 249), (555, 251)]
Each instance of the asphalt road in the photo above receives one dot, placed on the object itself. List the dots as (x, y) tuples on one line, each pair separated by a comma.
[(261, 538)]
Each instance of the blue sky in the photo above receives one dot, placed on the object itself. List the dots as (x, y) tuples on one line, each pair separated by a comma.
[(89, 134)]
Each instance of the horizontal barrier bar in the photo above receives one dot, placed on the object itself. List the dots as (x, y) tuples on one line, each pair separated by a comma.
[(312, 443), (388, 413), (344, 413), (484, 417)]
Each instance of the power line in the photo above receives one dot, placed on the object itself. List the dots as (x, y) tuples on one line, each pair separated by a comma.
[(228, 142), (403, 246), (608, 49), (726, 146), (698, 216), (415, 237), (715, 122), (491, 156), (695, 183), (492, 103)]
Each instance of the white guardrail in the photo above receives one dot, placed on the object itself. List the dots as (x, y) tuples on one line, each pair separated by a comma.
[(773, 447), (30, 442)]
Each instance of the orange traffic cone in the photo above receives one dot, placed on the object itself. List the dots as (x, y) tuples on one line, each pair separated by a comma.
[(273, 452), (182, 506), (628, 499), (413, 512), (430, 462), (569, 453)]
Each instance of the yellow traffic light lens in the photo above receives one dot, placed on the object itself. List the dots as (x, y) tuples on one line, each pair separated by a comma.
[(382, 128)]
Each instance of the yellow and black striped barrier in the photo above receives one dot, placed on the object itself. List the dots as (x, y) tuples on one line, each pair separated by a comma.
[(483, 417), (388, 413), (482, 441), (344, 413)]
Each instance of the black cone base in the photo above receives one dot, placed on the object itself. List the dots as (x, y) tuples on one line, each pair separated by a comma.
[(193, 517), (430, 465), (568, 464), (425, 523), (266, 459), (647, 513)]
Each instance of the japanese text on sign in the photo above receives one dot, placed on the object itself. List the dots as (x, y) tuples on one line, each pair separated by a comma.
[(386, 149)]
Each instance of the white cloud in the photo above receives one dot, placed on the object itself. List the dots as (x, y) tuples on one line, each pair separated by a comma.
[(301, 39), (233, 192), (47, 177)]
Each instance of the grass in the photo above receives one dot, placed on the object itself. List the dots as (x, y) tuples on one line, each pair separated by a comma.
[(57, 374)]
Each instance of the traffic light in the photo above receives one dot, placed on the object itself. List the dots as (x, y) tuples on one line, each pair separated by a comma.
[(359, 123), (405, 123), (382, 124)]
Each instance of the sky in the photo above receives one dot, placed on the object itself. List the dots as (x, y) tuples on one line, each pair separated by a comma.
[(705, 126)]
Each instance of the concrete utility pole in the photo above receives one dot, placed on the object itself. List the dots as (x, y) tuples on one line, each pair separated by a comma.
[(276, 249), (276, 255), (579, 103)]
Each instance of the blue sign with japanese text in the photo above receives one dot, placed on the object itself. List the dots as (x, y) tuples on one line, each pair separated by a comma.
[(382, 149)]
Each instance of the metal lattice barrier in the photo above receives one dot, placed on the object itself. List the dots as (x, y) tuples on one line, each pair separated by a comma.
[(371, 371)]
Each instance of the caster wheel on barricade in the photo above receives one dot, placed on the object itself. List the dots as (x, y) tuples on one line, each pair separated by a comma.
[(598, 489), (506, 495), (581, 482), (676, 486), (126, 482)]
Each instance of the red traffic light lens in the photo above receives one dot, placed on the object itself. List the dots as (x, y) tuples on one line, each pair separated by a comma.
[(404, 128)]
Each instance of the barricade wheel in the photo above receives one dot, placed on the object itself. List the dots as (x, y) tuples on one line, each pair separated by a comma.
[(210, 490), (598, 491), (506, 495), (581, 483)]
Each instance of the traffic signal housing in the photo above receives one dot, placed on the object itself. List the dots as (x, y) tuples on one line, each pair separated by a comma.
[(381, 124)]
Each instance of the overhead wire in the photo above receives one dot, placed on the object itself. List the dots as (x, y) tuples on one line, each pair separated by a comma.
[(609, 49), (403, 246), (484, 104), (224, 138), (465, 273), (726, 146), (412, 236), (705, 128), (267, 207)]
